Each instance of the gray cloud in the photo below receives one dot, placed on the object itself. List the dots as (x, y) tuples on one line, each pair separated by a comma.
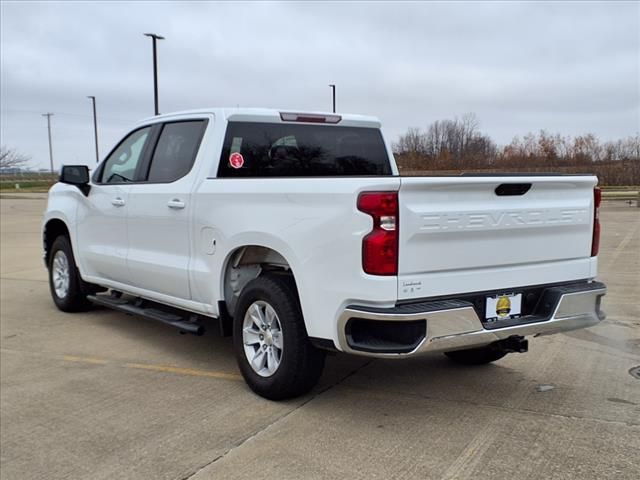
[(569, 67)]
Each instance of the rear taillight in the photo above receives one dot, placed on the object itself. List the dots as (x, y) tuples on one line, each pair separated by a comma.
[(380, 246), (595, 243)]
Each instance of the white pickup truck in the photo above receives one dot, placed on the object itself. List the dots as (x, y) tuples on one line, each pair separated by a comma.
[(295, 233)]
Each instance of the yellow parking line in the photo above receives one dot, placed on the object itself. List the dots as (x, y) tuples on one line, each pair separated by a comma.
[(185, 371), (140, 366), (97, 361)]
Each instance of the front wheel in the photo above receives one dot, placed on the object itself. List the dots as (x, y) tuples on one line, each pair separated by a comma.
[(476, 356), (271, 345), (64, 280)]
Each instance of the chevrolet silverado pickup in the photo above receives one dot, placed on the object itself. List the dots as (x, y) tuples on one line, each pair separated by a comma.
[(295, 234)]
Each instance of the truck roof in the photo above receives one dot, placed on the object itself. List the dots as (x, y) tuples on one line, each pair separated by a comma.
[(269, 115)]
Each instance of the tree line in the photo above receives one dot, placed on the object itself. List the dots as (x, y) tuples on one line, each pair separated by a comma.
[(458, 145)]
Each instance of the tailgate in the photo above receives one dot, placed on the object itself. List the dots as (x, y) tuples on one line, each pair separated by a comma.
[(457, 235)]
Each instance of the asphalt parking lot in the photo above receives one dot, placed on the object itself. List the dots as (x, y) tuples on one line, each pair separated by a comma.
[(103, 395)]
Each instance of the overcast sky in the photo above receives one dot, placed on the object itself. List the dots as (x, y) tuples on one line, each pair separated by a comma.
[(567, 67)]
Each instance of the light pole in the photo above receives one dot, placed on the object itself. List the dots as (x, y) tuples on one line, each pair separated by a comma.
[(48, 115), (333, 88), (95, 126), (155, 37)]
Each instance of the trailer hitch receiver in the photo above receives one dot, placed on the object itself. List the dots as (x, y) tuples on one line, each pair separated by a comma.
[(513, 344)]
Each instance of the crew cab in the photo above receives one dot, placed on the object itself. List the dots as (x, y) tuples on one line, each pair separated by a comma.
[(295, 234)]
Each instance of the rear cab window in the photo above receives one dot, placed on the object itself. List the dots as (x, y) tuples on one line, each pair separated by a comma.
[(253, 149)]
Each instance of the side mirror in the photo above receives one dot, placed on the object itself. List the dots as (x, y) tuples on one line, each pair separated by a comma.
[(77, 175)]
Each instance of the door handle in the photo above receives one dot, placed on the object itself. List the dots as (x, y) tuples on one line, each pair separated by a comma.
[(117, 202), (176, 204)]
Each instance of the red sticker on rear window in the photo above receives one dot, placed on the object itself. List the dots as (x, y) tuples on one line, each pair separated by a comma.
[(236, 160)]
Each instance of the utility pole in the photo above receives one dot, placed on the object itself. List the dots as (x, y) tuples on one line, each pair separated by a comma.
[(48, 115), (155, 37), (95, 126), (333, 88)]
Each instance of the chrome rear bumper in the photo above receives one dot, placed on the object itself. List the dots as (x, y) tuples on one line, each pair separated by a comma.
[(455, 325)]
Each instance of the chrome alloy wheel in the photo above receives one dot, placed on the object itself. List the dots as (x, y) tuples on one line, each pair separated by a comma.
[(262, 338), (60, 274)]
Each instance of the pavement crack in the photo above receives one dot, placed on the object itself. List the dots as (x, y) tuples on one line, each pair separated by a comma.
[(277, 420)]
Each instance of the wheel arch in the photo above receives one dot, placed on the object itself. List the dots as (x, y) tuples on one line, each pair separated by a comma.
[(246, 262), (53, 228)]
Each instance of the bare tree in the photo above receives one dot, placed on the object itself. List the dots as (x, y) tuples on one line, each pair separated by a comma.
[(10, 158), (468, 129), (411, 142)]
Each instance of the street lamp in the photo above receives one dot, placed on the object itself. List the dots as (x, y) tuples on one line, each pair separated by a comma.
[(333, 88), (95, 126), (155, 37)]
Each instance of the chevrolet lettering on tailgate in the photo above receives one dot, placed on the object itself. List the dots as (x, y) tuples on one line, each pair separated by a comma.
[(509, 219)]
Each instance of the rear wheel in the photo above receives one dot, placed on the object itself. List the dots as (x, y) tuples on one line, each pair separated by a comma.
[(476, 356), (272, 348), (68, 291)]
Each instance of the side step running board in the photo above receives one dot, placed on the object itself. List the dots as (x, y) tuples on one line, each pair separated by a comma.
[(152, 313)]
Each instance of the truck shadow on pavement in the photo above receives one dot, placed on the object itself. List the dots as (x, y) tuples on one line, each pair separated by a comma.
[(432, 375)]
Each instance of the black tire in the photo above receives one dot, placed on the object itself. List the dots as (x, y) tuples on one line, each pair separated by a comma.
[(301, 364), (476, 356), (75, 299)]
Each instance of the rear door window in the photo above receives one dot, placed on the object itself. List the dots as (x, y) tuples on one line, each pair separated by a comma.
[(175, 151), (294, 150)]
